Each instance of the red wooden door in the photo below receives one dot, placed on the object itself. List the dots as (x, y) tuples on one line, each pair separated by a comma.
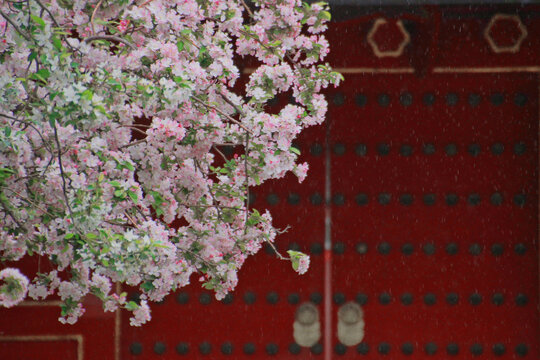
[(434, 214), (423, 188)]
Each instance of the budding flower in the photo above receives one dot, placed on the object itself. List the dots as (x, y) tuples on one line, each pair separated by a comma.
[(14, 287), (299, 261)]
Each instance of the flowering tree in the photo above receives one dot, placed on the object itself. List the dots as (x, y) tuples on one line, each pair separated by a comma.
[(108, 197)]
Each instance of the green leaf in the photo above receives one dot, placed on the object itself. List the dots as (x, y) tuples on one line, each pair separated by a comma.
[(147, 286), (132, 305), (65, 4), (146, 61), (325, 15), (69, 236), (87, 95), (57, 43), (294, 150), (53, 94), (295, 263), (7, 170), (7, 131), (41, 75), (133, 196), (205, 60), (44, 73), (38, 21), (52, 118), (180, 45), (208, 285), (115, 84), (275, 43), (33, 55), (129, 166)]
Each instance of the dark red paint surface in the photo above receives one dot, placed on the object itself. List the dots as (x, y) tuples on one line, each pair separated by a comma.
[(450, 37), (64, 349), (463, 224)]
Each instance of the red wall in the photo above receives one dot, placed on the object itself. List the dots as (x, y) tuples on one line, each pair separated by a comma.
[(448, 119)]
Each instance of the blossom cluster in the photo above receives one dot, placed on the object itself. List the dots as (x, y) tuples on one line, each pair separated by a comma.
[(13, 288), (113, 119)]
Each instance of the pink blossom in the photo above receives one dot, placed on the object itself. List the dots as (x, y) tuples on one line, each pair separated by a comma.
[(127, 140), (140, 315), (303, 265)]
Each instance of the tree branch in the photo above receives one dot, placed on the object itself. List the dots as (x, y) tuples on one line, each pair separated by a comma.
[(12, 215), (63, 175), (94, 14), (247, 8), (48, 12), (230, 118), (132, 144), (24, 198), (8, 19), (110, 38), (228, 101), (220, 153)]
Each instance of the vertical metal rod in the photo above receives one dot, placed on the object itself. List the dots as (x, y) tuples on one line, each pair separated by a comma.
[(328, 249), (538, 169)]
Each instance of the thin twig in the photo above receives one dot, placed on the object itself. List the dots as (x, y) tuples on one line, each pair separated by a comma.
[(93, 15), (247, 8), (132, 144), (9, 117), (222, 113), (118, 224), (140, 212), (8, 19), (131, 219), (48, 12), (33, 127), (209, 190), (212, 206), (63, 175), (280, 232), (220, 153), (227, 144), (135, 128), (135, 125), (228, 101), (247, 180), (12, 215), (281, 257), (110, 38), (24, 198)]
